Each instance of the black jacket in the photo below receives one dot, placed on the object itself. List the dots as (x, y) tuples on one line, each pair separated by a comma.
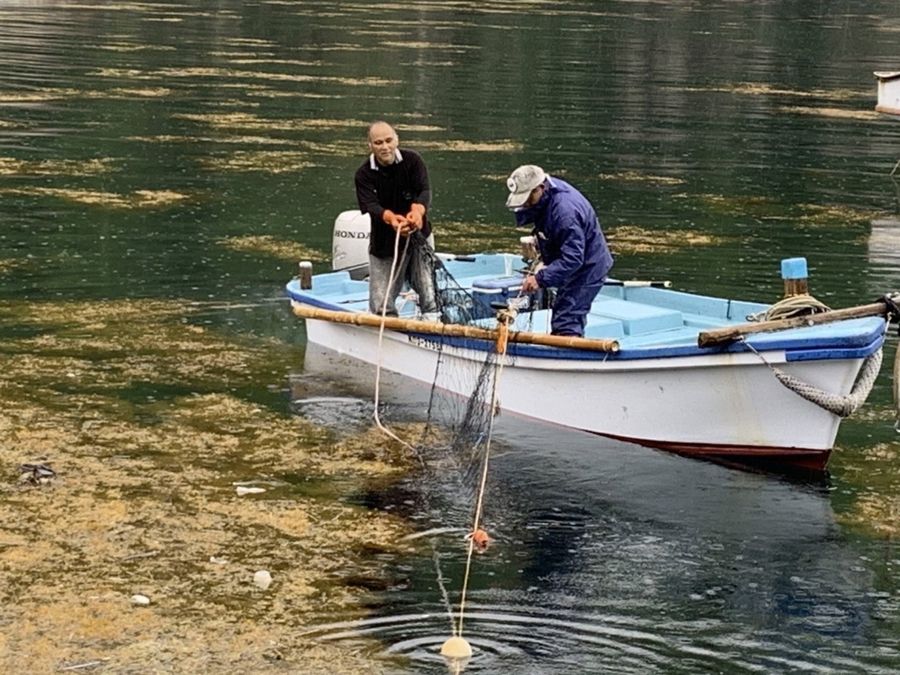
[(394, 187)]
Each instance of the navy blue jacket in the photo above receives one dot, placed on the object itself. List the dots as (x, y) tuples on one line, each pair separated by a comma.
[(569, 237)]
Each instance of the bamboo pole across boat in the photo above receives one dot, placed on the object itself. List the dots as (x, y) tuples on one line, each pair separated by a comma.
[(450, 329), (717, 336)]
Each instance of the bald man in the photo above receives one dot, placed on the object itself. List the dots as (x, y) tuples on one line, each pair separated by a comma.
[(392, 187)]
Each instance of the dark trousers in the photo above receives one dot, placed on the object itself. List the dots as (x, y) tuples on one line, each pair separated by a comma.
[(571, 307), (415, 267)]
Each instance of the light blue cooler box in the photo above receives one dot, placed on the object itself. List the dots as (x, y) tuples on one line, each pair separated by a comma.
[(500, 290)]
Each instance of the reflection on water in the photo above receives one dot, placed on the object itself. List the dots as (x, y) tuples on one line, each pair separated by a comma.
[(607, 553), (184, 154), (884, 253)]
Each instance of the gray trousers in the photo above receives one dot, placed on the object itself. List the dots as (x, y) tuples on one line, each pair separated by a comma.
[(415, 268)]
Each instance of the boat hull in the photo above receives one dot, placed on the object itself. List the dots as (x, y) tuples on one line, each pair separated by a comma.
[(724, 405)]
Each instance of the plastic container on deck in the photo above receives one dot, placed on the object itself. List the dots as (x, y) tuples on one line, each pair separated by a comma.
[(498, 291)]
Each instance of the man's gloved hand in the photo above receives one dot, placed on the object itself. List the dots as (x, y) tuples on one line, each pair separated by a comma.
[(399, 223), (415, 216)]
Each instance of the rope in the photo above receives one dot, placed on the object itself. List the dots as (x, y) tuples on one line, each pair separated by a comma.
[(506, 318), (392, 279), (839, 405), (790, 307), (842, 406), (481, 489)]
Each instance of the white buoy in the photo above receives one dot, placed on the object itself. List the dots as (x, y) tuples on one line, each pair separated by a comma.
[(456, 648)]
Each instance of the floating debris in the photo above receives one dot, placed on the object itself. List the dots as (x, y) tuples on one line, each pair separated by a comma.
[(136, 48), (146, 473), (764, 89), (249, 140), (36, 474), (9, 264), (140, 600), (635, 239), (138, 199), (242, 490), (266, 161), (834, 113), (231, 74), (10, 166), (635, 177), (285, 250), (49, 94), (144, 92), (262, 579), (444, 47), (502, 145), (831, 214)]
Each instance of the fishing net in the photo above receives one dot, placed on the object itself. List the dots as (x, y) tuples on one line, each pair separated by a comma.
[(464, 419)]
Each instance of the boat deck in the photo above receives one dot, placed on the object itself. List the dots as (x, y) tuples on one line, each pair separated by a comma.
[(646, 321)]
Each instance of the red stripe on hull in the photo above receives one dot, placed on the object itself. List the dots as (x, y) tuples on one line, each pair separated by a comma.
[(796, 458)]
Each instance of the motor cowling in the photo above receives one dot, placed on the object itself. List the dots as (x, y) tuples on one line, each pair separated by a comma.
[(350, 243)]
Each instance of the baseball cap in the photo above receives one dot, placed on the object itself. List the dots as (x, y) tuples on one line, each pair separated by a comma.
[(521, 182)]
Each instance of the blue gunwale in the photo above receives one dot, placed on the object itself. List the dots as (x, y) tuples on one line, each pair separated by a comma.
[(647, 322)]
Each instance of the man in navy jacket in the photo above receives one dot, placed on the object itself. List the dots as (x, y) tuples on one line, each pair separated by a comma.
[(571, 243)]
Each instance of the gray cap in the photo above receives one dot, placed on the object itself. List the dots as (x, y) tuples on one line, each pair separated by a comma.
[(521, 182)]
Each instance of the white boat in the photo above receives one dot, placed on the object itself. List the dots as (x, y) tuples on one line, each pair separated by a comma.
[(639, 375), (888, 93)]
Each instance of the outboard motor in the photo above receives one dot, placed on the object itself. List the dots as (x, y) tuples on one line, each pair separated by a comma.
[(350, 243)]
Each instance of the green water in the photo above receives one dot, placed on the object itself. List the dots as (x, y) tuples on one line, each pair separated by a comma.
[(181, 151)]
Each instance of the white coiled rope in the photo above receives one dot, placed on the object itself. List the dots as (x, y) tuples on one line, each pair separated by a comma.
[(790, 307)]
